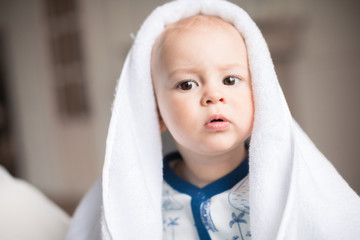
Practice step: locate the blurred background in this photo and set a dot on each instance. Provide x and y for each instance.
(60, 59)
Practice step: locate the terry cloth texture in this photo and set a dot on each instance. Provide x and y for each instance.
(295, 193)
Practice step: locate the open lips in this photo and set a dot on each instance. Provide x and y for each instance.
(217, 120)
(217, 123)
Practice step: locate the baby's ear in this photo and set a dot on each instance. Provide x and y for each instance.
(163, 127)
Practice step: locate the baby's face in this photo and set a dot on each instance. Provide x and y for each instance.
(203, 87)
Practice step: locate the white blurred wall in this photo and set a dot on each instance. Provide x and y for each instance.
(52, 154)
(327, 83)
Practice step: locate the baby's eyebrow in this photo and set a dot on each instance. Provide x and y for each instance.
(231, 66)
(222, 68)
(181, 70)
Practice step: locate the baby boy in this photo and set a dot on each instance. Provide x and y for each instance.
(198, 68)
(203, 90)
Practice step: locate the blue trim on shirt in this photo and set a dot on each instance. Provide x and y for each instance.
(200, 195)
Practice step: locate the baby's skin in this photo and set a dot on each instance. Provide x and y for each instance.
(202, 85)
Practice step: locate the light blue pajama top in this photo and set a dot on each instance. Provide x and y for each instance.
(217, 211)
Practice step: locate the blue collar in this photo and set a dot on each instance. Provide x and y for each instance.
(214, 188)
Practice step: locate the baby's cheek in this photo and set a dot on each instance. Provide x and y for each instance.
(177, 117)
(167, 112)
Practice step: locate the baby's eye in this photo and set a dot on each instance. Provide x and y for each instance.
(231, 80)
(187, 85)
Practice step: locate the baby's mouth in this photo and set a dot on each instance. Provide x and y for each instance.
(217, 122)
(217, 118)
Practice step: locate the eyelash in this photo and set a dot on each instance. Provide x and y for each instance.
(237, 79)
(234, 77)
(186, 81)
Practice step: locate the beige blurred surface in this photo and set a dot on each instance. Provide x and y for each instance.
(37, 218)
(314, 46)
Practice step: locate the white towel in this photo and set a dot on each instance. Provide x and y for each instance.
(295, 193)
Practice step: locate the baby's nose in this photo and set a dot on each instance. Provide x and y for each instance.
(212, 97)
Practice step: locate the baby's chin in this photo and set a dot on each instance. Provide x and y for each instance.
(224, 148)
(217, 147)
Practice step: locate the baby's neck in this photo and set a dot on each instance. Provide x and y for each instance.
(201, 170)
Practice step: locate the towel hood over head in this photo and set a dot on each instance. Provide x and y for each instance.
(295, 193)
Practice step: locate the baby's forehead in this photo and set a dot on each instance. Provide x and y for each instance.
(200, 21)
(196, 23)
(191, 25)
